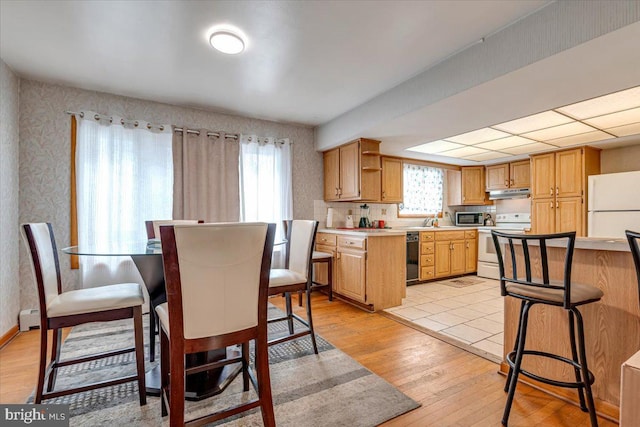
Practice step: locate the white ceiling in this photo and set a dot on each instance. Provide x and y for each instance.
(306, 62)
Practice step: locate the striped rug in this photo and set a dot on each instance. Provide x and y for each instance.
(328, 389)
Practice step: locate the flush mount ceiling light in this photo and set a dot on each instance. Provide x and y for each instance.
(227, 42)
(596, 119)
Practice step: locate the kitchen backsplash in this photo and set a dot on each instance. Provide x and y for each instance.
(389, 212)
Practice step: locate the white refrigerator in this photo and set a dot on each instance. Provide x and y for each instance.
(614, 204)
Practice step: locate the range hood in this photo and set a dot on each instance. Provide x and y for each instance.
(517, 193)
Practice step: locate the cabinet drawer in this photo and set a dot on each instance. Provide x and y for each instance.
(426, 236)
(427, 248)
(326, 239)
(352, 242)
(450, 235)
(470, 234)
(427, 260)
(427, 273)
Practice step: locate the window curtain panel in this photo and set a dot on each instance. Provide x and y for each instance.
(266, 185)
(124, 177)
(206, 177)
(423, 190)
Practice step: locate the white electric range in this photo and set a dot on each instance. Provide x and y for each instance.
(516, 223)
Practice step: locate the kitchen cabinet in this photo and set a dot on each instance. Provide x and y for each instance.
(325, 242)
(352, 172)
(369, 271)
(508, 175)
(471, 251)
(392, 191)
(559, 197)
(448, 253)
(473, 186)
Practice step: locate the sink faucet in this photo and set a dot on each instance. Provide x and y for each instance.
(428, 222)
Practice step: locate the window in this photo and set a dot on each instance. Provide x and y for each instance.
(124, 176)
(423, 190)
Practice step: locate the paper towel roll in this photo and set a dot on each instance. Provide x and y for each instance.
(329, 217)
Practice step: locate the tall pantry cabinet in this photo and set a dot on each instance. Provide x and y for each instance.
(559, 189)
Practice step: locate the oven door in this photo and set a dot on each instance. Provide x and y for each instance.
(486, 248)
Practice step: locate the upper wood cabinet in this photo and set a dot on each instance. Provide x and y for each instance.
(353, 171)
(392, 191)
(558, 189)
(508, 175)
(473, 186)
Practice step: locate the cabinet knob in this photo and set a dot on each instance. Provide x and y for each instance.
(512, 181)
(551, 205)
(557, 206)
(506, 183)
(551, 192)
(557, 191)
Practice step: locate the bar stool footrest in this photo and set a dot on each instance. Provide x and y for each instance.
(511, 361)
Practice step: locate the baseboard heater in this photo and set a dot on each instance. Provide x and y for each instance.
(29, 318)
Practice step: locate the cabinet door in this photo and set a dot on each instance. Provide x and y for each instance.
(543, 182)
(350, 171)
(454, 188)
(543, 216)
(391, 180)
(497, 177)
(443, 258)
(471, 255)
(473, 185)
(458, 257)
(569, 214)
(351, 274)
(332, 174)
(520, 174)
(569, 173)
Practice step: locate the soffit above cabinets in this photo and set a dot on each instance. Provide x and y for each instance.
(605, 117)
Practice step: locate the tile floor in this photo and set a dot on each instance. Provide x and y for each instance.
(472, 315)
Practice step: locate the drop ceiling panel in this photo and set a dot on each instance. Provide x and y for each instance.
(630, 129)
(435, 147)
(618, 101)
(463, 152)
(478, 136)
(489, 155)
(535, 122)
(616, 119)
(499, 144)
(582, 138)
(529, 148)
(561, 131)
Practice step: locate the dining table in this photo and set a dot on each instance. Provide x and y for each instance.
(147, 257)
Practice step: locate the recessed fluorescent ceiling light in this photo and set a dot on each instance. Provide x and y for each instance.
(435, 147)
(561, 131)
(462, 152)
(499, 144)
(626, 130)
(530, 148)
(582, 138)
(478, 136)
(612, 103)
(227, 41)
(489, 155)
(615, 119)
(538, 121)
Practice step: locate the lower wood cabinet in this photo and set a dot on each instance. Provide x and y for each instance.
(369, 271)
(453, 253)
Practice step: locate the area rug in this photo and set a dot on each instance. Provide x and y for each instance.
(328, 389)
(461, 282)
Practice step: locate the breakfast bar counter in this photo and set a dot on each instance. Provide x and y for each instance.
(612, 325)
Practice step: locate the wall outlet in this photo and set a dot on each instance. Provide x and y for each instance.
(384, 212)
(349, 212)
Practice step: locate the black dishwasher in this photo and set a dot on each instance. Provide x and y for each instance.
(413, 254)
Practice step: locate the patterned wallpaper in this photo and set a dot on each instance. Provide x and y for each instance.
(9, 236)
(45, 146)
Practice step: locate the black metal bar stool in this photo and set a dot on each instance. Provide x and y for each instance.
(321, 258)
(563, 294)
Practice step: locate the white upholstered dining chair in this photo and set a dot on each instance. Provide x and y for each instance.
(217, 279)
(64, 309)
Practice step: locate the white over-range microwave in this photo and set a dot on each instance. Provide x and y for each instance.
(470, 219)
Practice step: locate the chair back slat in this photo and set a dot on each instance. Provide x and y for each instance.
(300, 245)
(214, 276)
(633, 237)
(524, 241)
(153, 227)
(45, 265)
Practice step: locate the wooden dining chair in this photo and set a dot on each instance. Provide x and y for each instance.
(295, 277)
(153, 230)
(217, 279)
(64, 309)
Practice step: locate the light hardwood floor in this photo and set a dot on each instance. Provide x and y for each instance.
(455, 388)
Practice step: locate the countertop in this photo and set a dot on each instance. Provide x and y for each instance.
(590, 244)
(367, 232)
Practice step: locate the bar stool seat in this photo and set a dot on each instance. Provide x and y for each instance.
(560, 293)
